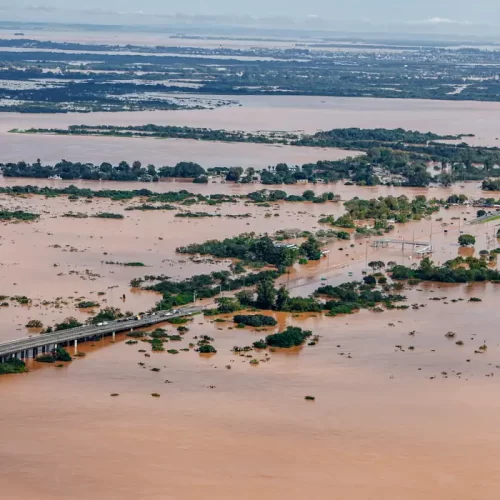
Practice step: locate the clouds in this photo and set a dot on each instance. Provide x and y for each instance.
(441, 20)
(435, 21)
(335, 13)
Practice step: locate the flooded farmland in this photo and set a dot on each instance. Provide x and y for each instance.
(405, 402)
(65, 260)
(385, 417)
(257, 113)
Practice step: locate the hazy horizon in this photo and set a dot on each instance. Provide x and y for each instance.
(434, 16)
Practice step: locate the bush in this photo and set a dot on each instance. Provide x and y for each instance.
(177, 321)
(107, 314)
(108, 215)
(159, 333)
(157, 345)
(67, 324)
(466, 240)
(87, 304)
(260, 344)
(341, 308)
(13, 365)
(291, 337)
(45, 358)
(207, 349)
(34, 323)
(256, 320)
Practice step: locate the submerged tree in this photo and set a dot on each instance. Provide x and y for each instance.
(466, 240)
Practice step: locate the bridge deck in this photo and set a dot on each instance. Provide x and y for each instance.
(22, 347)
(402, 242)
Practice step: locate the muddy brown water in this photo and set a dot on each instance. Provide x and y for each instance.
(64, 260)
(388, 422)
(256, 113)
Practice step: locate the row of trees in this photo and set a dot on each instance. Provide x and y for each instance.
(450, 272)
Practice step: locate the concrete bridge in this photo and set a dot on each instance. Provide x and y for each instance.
(420, 247)
(30, 347)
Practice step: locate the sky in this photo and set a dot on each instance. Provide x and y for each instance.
(440, 13)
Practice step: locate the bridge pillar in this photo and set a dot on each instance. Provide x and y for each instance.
(76, 346)
(114, 336)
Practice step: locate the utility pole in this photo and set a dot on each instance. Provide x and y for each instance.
(194, 298)
(366, 255)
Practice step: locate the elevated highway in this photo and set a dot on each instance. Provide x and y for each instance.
(30, 347)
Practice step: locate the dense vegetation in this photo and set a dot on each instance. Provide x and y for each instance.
(350, 297)
(383, 211)
(256, 320)
(108, 215)
(348, 138)
(176, 293)
(58, 354)
(13, 365)
(252, 248)
(396, 156)
(458, 270)
(105, 171)
(17, 215)
(491, 185)
(291, 337)
(106, 314)
(162, 200)
(67, 324)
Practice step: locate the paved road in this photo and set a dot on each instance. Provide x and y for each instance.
(24, 347)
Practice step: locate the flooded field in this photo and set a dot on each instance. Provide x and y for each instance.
(400, 410)
(52, 149)
(257, 113)
(65, 260)
(471, 189)
(386, 420)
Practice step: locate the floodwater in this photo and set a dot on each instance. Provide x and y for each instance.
(216, 186)
(52, 149)
(60, 261)
(388, 422)
(257, 113)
